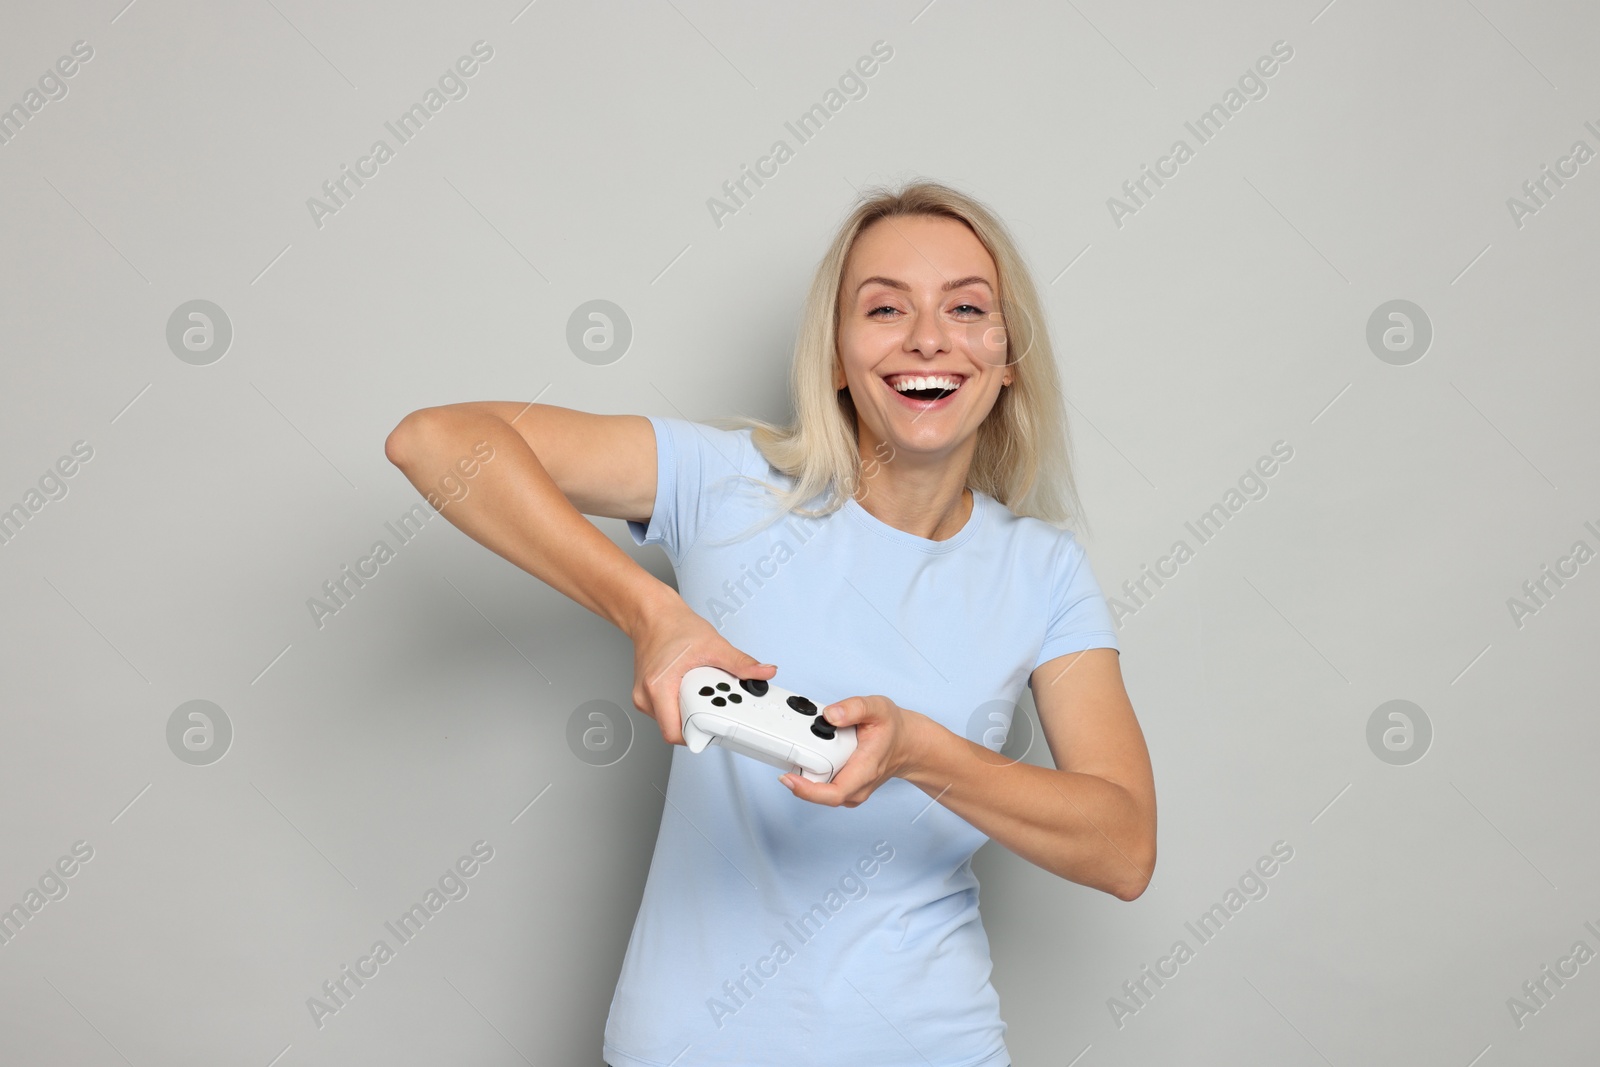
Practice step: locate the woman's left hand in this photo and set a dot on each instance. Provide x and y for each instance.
(886, 742)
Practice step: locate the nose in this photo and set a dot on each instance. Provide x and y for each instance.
(930, 334)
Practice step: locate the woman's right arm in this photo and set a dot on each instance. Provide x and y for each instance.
(524, 503)
(550, 466)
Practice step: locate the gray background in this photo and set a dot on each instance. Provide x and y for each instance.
(1229, 313)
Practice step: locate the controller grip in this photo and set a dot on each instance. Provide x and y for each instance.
(694, 737)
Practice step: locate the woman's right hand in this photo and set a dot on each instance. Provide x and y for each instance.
(674, 641)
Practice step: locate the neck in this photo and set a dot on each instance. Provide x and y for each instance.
(927, 499)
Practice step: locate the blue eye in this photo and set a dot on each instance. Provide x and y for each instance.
(967, 309)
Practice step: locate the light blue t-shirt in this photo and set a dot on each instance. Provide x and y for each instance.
(774, 930)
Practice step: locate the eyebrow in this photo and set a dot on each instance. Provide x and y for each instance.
(946, 287)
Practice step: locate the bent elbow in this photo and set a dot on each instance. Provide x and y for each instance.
(393, 446)
(1144, 860)
(1132, 891)
(399, 446)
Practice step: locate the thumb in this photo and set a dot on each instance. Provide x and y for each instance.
(747, 666)
(846, 712)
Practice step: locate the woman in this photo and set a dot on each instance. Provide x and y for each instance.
(894, 551)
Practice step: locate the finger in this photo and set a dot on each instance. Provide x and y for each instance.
(846, 712)
(668, 716)
(825, 793)
(855, 774)
(749, 667)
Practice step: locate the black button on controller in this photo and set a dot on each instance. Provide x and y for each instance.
(706, 690)
(718, 701)
(802, 705)
(822, 728)
(756, 687)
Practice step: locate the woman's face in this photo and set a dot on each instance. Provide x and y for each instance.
(920, 298)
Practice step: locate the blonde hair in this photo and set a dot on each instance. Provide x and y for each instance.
(1022, 455)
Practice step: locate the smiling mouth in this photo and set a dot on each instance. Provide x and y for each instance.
(930, 393)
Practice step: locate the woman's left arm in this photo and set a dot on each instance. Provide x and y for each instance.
(1091, 819)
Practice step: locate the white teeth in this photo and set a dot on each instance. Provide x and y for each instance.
(916, 382)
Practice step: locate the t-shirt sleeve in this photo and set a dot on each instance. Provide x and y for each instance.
(1079, 617)
(691, 458)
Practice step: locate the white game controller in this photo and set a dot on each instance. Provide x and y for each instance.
(757, 719)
